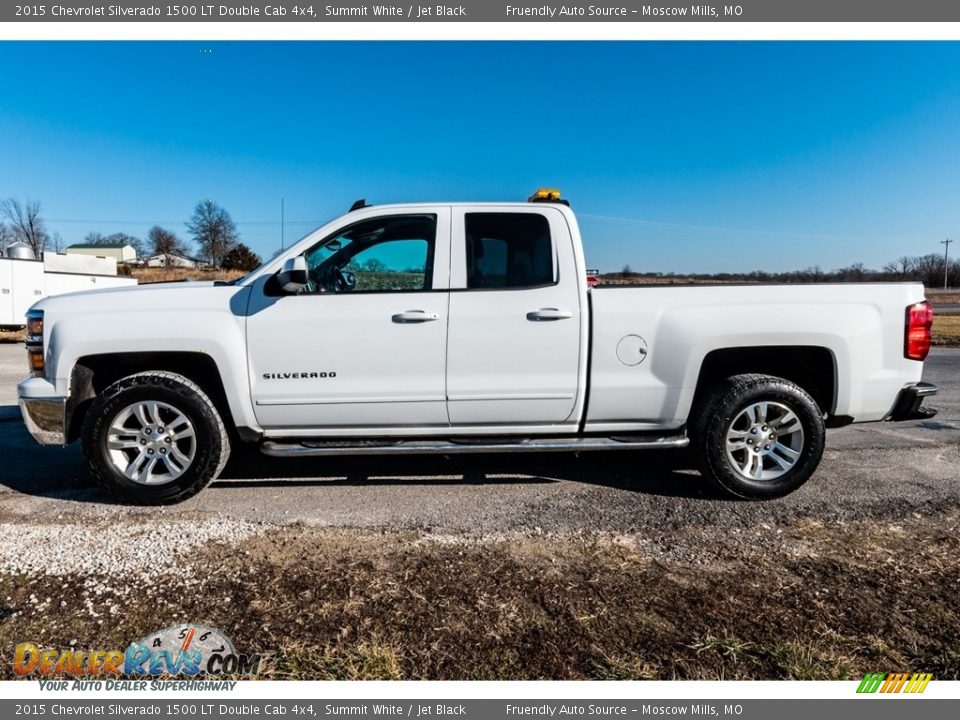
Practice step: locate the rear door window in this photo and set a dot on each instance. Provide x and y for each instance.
(508, 250)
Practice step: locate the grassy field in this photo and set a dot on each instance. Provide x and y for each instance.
(943, 297)
(804, 601)
(155, 275)
(946, 330)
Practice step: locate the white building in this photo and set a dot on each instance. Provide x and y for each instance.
(174, 261)
(121, 253)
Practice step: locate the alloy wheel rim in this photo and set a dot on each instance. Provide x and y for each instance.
(764, 441)
(151, 442)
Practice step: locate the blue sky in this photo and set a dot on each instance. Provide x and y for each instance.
(681, 156)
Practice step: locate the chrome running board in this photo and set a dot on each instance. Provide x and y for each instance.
(314, 448)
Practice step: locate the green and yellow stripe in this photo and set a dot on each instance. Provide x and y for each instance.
(894, 682)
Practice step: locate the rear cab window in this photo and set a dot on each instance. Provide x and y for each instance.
(508, 251)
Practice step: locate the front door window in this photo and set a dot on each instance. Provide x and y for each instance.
(392, 254)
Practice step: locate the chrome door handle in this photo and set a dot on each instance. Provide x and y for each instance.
(415, 316)
(549, 314)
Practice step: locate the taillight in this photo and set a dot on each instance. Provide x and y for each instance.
(916, 340)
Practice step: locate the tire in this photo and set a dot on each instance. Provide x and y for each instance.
(757, 437)
(165, 415)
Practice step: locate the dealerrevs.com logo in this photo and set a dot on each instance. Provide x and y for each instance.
(186, 650)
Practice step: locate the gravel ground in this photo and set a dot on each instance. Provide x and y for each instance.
(149, 549)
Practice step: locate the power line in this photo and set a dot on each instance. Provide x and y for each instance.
(264, 223)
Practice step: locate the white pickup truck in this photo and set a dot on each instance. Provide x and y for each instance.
(464, 328)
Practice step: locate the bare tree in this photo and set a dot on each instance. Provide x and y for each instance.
(214, 231)
(165, 242)
(375, 265)
(6, 236)
(929, 269)
(26, 223)
(901, 268)
(852, 273)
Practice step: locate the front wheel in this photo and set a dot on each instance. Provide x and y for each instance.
(154, 438)
(758, 436)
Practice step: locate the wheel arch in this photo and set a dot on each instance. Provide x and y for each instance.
(813, 368)
(92, 374)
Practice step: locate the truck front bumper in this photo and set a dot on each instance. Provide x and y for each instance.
(44, 413)
(909, 401)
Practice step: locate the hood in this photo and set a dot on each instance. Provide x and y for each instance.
(167, 296)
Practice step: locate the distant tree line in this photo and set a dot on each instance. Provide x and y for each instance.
(211, 227)
(927, 269)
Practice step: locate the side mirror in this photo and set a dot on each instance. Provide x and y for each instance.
(293, 277)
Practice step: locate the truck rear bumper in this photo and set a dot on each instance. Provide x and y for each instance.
(909, 401)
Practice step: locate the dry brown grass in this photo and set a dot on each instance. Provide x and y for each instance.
(946, 330)
(11, 337)
(611, 280)
(943, 297)
(364, 660)
(155, 275)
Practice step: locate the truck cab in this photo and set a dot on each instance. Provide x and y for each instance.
(422, 318)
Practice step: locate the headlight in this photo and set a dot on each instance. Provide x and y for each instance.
(34, 343)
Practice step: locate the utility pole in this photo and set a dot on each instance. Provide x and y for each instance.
(281, 225)
(946, 267)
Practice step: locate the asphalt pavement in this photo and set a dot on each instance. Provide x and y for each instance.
(876, 470)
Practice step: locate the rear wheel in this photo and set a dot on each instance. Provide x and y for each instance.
(154, 438)
(758, 436)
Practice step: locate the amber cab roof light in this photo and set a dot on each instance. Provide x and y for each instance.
(551, 195)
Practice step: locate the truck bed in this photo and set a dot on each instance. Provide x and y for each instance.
(861, 325)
